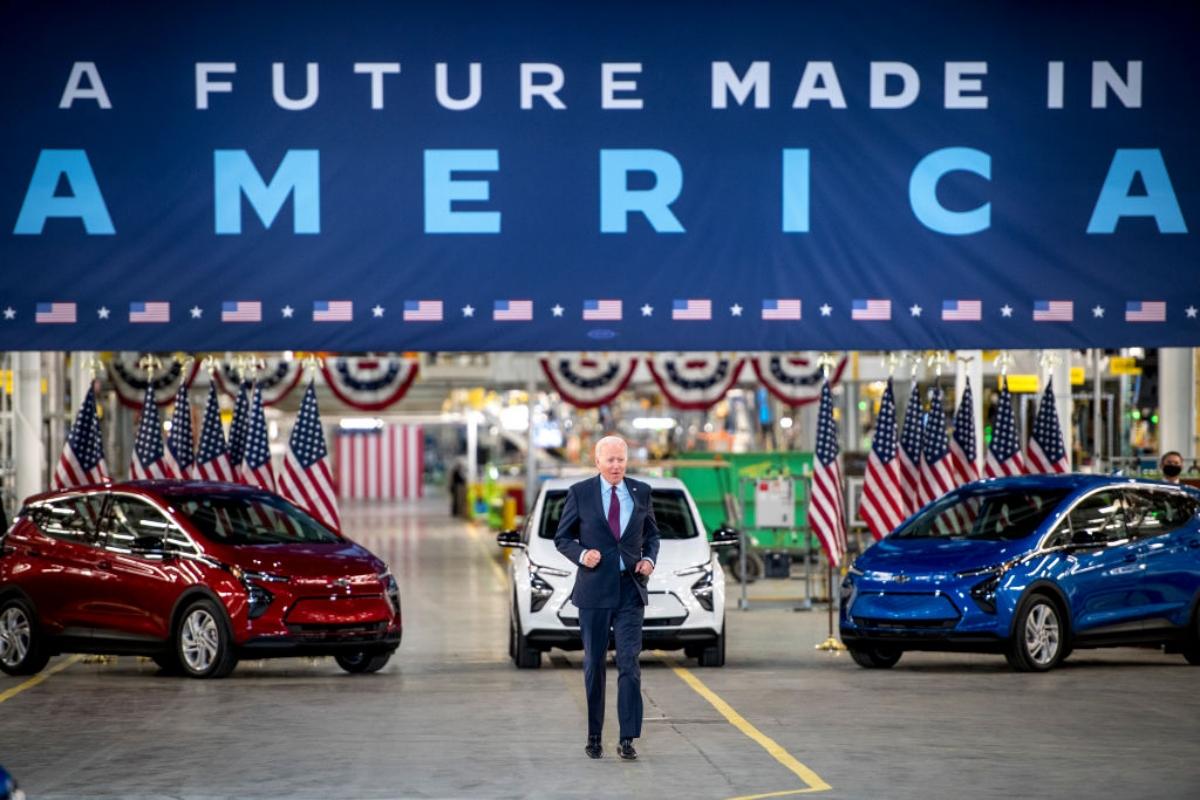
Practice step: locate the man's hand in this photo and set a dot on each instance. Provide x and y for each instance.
(591, 558)
(644, 568)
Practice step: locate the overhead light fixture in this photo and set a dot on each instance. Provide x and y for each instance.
(361, 424)
(653, 423)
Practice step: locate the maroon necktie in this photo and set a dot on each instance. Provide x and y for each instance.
(614, 515)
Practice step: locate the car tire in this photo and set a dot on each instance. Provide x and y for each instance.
(755, 567)
(203, 643)
(1039, 637)
(363, 662)
(23, 650)
(875, 656)
(714, 654)
(527, 657)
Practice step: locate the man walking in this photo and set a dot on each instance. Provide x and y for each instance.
(608, 528)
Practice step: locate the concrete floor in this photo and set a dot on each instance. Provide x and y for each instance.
(451, 717)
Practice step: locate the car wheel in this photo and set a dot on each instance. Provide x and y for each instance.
(755, 567)
(362, 662)
(714, 654)
(527, 657)
(1038, 637)
(875, 656)
(203, 642)
(22, 650)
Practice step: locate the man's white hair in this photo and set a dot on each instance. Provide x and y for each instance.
(607, 440)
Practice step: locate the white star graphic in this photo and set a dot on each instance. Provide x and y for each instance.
(1190, 311)
(826, 310)
(915, 310)
(647, 310)
(197, 312)
(1006, 310)
(10, 313)
(1097, 311)
(468, 311)
(102, 312)
(736, 310)
(377, 311)
(557, 310)
(288, 311)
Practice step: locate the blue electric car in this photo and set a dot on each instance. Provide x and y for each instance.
(1032, 567)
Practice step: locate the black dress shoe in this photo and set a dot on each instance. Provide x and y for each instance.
(625, 750)
(593, 748)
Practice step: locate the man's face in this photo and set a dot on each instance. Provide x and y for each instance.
(611, 462)
(1172, 461)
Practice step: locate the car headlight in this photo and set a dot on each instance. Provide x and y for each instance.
(391, 589)
(695, 569)
(540, 590)
(257, 595)
(702, 589)
(984, 592)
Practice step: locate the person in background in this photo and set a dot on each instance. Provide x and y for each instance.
(1171, 465)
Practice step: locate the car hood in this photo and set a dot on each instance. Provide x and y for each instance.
(309, 560)
(935, 555)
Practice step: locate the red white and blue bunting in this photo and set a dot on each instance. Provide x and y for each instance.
(276, 381)
(694, 381)
(372, 382)
(130, 380)
(587, 381)
(794, 378)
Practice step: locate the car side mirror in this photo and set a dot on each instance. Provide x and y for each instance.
(726, 536)
(509, 539)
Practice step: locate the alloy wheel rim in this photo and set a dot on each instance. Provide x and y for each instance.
(1042, 634)
(200, 640)
(14, 637)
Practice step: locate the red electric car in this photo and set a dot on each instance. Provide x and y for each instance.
(194, 575)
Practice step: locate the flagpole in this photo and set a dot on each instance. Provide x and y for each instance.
(831, 643)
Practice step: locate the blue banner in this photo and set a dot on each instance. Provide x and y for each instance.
(586, 176)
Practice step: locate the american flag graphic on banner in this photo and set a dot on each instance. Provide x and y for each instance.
(422, 310)
(883, 504)
(691, 309)
(256, 463)
(1053, 310)
(962, 310)
(212, 460)
(1146, 311)
(148, 462)
(598, 310)
(871, 310)
(48, 313)
(512, 310)
(825, 506)
(306, 478)
(82, 460)
(382, 464)
(781, 309)
(241, 311)
(937, 468)
(962, 443)
(1046, 451)
(909, 455)
(181, 455)
(1004, 454)
(150, 311)
(238, 429)
(333, 311)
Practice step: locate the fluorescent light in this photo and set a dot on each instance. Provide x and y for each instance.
(361, 424)
(654, 423)
(785, 422)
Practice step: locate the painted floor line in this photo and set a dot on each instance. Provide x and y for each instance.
(812, 780)
(36, 679)
(501, 575)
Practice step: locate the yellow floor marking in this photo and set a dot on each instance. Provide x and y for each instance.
(36, 679)
(812, 781)
(787, 793)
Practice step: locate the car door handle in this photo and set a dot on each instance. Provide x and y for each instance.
(1130, 558)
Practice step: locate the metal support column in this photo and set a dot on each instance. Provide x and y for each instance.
(1176, 401)
(28, 449)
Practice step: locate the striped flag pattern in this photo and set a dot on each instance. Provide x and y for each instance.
(241, 311)
(1053, 310)
(422, 310)
(909, 455)
(212, 461)
(82, 460)
(148, 461)
(1046, 451)
(1004, 454)
(237, 432)
(871, 310)
(306, 478)
(781, 309)
(962, 443)
(1145, 311)
(691, 310)
(962, 310)
(598, 310)
(181, 454)
(54, 313)
(256, 463)
(150, 311)
(333, 311)
(884, 505)
(384, 464)
(937, 467)
(512, 310)
(826, 516)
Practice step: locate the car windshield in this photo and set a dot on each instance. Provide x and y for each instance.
(671, 512)
(251, 519)
(996, 514)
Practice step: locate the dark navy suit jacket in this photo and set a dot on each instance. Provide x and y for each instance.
(584, 526)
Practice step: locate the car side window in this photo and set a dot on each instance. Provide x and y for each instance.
(129, 518)
(1098, 520)
(1149, 513)
(71, 519)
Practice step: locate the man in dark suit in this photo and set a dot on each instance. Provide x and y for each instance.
(608, 528)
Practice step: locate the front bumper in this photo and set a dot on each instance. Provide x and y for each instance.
(313, 643)
(652, 638)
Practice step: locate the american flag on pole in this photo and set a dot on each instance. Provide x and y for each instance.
(181, 455)
(385, 463)
(422, 310)
(212, 462)
(781, 309)
(306, 478)
(333, 311)
(1046, 452)
(241, 311)
(937, 468)
(1004, 454)
(871, 310)
(962, 443)
(909, 454)
(825, 508)
(149, 311)
(54, 313)
(962, 310)
(512, 310)
(237, 432)
(1053, 310)
(597, 310)
(256, 465)
(148, 461)
(1146, 311)
(883, 504)
(82, 460)
(691, 309)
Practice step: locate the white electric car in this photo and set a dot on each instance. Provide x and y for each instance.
(687, 590)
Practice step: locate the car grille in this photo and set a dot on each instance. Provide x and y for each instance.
(872, 622)
(330, 632)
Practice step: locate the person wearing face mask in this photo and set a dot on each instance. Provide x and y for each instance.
(1171, 465)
